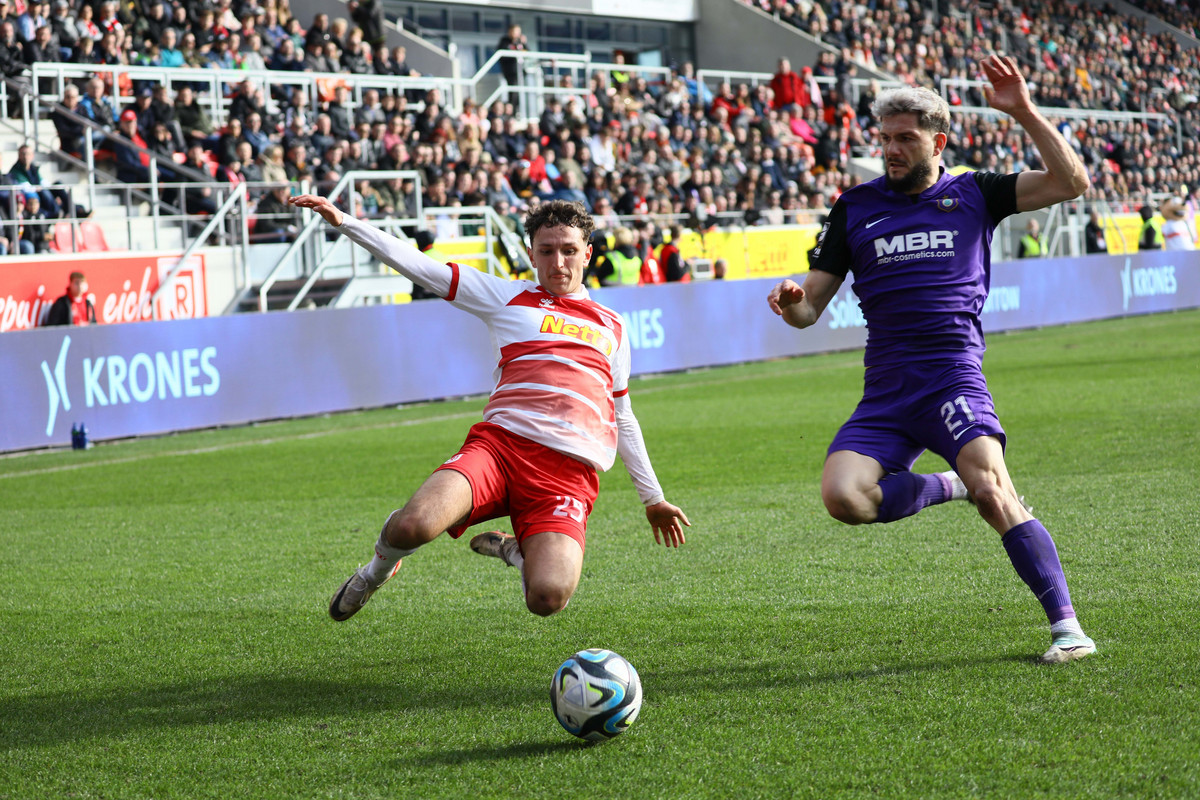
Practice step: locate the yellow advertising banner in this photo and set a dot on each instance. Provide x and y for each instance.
(754, 252)
(1122, 232)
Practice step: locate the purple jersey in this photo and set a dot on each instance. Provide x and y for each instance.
(921, 263)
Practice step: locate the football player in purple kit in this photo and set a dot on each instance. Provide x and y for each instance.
(918, 241)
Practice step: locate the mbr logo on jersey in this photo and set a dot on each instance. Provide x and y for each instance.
(918, 244)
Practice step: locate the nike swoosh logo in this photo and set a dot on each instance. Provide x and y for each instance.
(964, 430)
(876, 222)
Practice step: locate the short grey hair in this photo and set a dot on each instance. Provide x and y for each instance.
(933, 114)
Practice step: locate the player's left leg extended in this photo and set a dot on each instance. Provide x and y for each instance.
(980, 462)
(444, 498)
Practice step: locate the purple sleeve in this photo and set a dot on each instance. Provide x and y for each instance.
(999, 192)
(832, 253)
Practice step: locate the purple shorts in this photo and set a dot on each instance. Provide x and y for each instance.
(908, 410)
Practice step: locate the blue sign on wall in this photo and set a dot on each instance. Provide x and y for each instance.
(156, 377)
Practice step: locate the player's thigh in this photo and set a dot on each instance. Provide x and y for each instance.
(848, 474)
(553, 563)
(441, 501)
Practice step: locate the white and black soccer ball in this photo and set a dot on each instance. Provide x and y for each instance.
(596, 694)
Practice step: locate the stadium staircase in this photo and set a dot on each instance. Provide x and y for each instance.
(282, 294)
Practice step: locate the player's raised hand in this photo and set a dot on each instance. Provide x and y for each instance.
(785, 294)
(665, 520)
(1008, 91)
(321, 205)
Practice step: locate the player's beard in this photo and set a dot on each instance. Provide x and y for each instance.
(916, 177)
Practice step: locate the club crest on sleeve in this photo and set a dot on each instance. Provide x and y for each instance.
(947, 203)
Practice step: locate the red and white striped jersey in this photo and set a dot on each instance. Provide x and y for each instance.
(560, 360)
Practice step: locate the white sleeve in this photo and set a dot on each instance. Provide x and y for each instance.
(399, 255)
(632, 449)
(465, 287)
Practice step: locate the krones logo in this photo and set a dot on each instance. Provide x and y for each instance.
(114, 380)
(1146, 282)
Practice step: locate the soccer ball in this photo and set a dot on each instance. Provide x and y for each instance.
(596, 694)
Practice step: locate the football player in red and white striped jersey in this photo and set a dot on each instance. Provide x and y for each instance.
(559, 412)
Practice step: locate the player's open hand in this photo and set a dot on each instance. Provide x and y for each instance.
(786, 294)
(1008, 92)
(667, 521)
(322, 205)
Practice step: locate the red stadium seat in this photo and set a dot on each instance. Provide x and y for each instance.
(93, 237)
(61, 240)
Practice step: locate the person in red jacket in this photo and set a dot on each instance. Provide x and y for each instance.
(787, 86)
(670, 260)
(74, 307)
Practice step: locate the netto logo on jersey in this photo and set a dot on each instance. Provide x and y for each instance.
(584, 333)
(904, 246)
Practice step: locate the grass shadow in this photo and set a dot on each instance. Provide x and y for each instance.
(506, 752)
(52, 718)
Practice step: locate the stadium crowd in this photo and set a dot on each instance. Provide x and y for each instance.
(743, 153)
(1072, 61)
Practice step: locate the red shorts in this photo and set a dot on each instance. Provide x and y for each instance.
(538, 488)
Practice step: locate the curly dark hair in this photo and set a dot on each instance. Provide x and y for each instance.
(554, 213)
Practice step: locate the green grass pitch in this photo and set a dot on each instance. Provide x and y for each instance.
(163, 626)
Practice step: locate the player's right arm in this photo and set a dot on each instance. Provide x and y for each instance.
(469, 289)
(801, 306)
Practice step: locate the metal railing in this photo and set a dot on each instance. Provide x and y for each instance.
(237, 200)
(210, 84)
(310, 234)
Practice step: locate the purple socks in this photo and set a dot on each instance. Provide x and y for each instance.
(906, 493)
(1035, 559)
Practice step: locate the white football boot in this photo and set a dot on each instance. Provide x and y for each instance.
(355, 593)
(1068, 647)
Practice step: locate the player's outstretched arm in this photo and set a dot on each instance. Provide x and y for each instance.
(322, 205)
(397, 254)
(1065, 176)
(667, 521)
(801, 306)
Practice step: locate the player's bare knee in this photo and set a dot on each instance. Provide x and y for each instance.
(546, 602)
(405, 529)
(847, 505)
(990, 500)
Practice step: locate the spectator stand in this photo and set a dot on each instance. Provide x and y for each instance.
(333, 260)
(235, 207)
(210, 84)
(551, 75)
(314, 257)
(164, 214)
